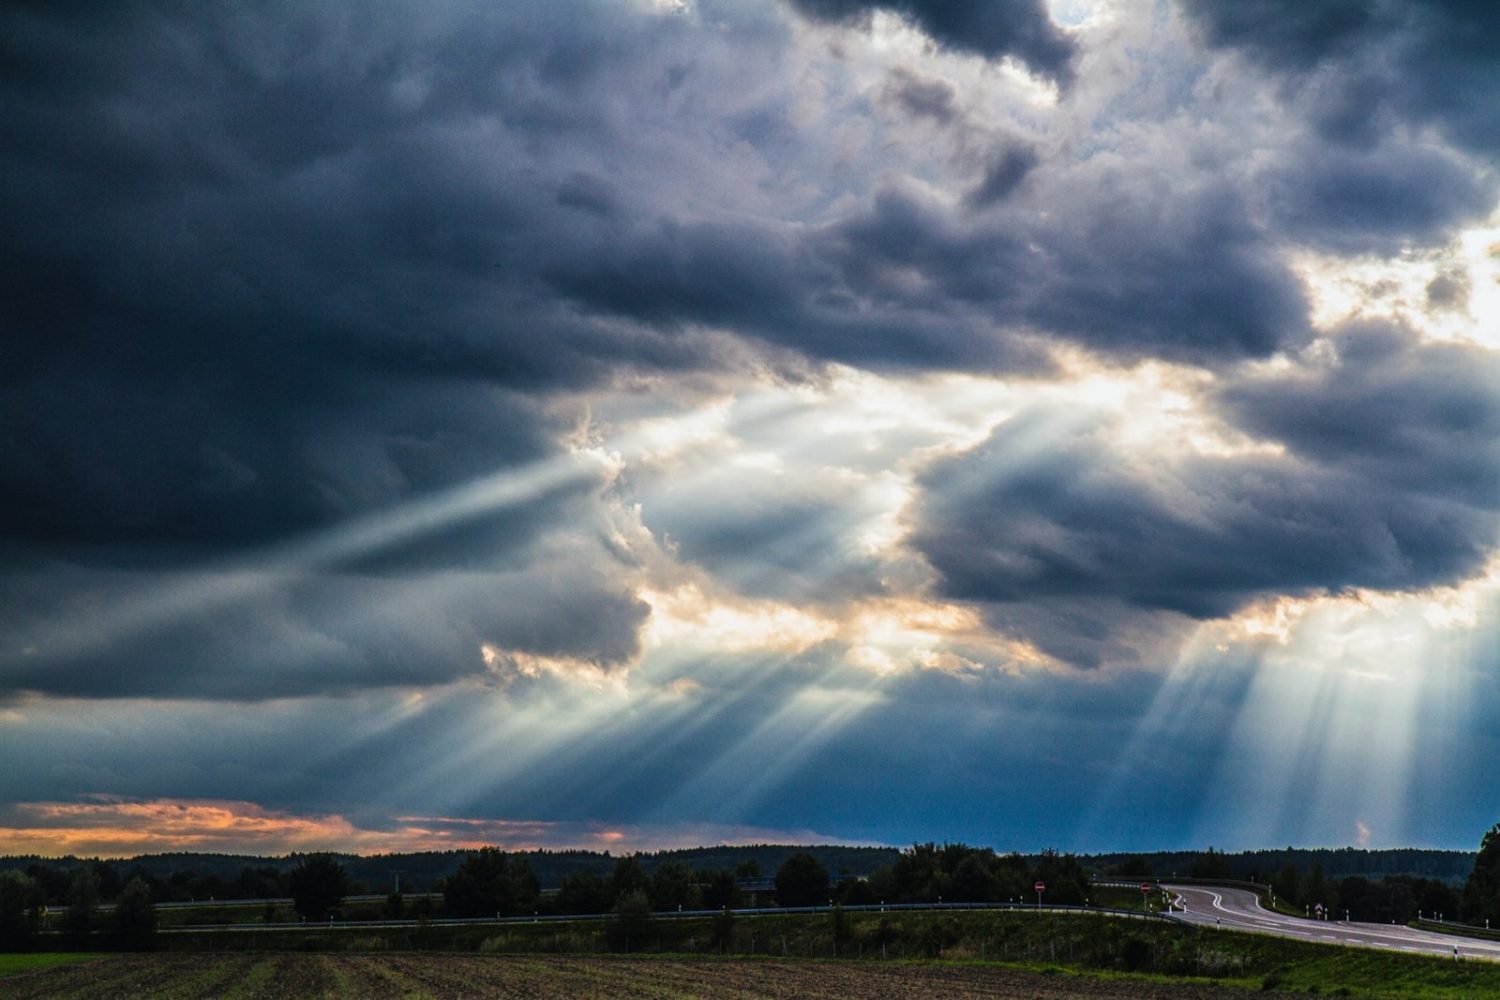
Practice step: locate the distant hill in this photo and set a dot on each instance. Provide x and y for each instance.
(1452, 867)
(420, 871)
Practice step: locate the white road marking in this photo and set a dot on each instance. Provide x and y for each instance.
(1245, 912)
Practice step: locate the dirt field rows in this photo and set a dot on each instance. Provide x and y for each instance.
(443, 977)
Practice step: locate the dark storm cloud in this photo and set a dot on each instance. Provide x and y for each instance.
(1381, 200)
(1120, 267)
(1389, 481)
(772, 285)
(267, 268)
(1126, 267)
(271, 270)
(1359, 66)
(1421, 417)
(243, 294)
(1021, 29)
(1284, 33)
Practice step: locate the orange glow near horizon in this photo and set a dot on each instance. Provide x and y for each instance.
(122, 828)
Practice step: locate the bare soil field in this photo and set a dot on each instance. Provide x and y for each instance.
(447, 977)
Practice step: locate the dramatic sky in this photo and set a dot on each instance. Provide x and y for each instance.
(645, 423)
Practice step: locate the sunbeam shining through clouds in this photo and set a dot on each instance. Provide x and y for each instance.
(623, 425)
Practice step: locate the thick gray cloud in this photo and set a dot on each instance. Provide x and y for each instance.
(1285, 33)
(1122, 268)
(1361, 66)
(1415, 416)
(1021, 28)
(243, 294)
(1382, 200)
(316, 634)
(1388, 481)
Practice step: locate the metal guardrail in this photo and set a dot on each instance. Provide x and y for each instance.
(1158, 880)
(57, 910)
(1456, 929)
(748, 912)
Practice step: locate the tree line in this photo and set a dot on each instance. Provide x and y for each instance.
(490, 882)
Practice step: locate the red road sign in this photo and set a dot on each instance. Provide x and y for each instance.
(1040, 887)
(1145, 886)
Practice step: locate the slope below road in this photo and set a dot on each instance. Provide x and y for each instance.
(1240, 910)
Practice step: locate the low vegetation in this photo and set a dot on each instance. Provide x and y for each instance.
(1243, 963)
(426, 977)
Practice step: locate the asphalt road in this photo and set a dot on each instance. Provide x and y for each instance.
(1240, 910)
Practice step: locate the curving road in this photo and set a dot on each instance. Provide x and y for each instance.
(1240, 910)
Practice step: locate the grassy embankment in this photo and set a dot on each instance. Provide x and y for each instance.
(1095, 945)
(14, 963)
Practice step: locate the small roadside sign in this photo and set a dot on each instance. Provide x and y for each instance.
(1040, 887)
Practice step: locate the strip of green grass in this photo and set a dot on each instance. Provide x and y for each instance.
(12, 964)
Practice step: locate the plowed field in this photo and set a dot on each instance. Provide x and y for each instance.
(441, 977)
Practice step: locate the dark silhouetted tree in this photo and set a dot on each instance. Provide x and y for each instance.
(583, 892)
(801, 881)
(919, 875)
(1288, 885)
(1133, 867)
(673, 886)
(135, 917)
(841, 930)
(630, 924)
(318, 885)
(1435, 897)
(1066, 882)
(1210, 864)
(720, 891)
(20, 910)
(974, 880)
(629, 876)
(1316, 892)
(83, 902)
(722, 930)
(489, 883)
(1481, 897)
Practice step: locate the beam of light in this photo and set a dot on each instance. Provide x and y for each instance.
(653, 740)
(191, 593)
(1311, 719)
(945, 414)
(1157, 744)
(749, 769)
(194, 592)
(1325, 746)
(568, 747)
(490, 742)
